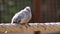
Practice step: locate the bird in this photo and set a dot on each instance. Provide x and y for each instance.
(23, 16)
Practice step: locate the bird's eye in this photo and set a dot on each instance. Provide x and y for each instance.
(28, 9)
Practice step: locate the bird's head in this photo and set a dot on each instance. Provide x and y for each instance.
(27, 8)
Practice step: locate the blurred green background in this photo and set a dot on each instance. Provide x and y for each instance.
(9, 7)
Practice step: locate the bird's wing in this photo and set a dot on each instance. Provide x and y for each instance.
(19, 18)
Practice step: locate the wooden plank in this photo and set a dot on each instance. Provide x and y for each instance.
(33, 27)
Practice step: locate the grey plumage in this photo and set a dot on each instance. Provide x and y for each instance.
(22, 16)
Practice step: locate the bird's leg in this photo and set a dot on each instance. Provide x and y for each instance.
(24, 24)
(27, 25)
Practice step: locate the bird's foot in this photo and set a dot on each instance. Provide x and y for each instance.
(27, 25)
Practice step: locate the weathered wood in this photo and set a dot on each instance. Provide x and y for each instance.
(36, 11)
(32, 27)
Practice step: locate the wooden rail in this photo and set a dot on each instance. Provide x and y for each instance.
(33, 27)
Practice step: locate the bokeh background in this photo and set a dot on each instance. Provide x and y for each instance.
(49, 9)
(9, 7)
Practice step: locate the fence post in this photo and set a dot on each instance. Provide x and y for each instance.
(36, 13)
